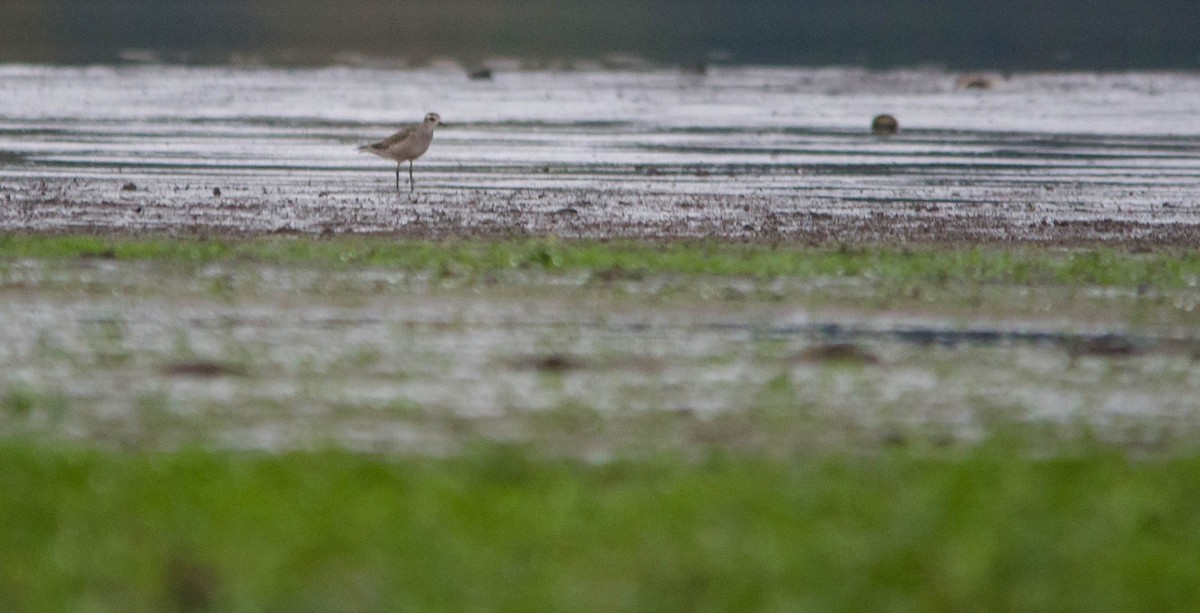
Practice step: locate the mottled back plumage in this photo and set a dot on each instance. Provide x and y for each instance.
(384, 144)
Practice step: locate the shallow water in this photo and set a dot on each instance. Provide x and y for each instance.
(745, 153)
(246, 355)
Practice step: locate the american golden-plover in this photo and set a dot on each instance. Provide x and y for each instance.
(406, 145)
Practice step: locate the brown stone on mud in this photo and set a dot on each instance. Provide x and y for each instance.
(553, 362)
(1108, 345)
(617, 273)
(884, 125)
(842, 353)
(202, 368)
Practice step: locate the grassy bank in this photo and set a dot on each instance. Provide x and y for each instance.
(499, 529)
(1019, 265)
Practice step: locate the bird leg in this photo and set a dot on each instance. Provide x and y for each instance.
(397, 178)
(411, 186)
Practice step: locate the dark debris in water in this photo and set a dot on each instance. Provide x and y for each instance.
(107, 253)
(1108, 345)
(203, 369)
(617, 272)
(839, 353)
(842, 339)
(557, 362)
(551, 362)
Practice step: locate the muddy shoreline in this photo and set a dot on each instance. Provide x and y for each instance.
(745, 220)
(739, 154)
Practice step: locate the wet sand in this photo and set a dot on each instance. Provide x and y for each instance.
(744, 154)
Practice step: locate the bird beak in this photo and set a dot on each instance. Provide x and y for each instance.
(442, 124)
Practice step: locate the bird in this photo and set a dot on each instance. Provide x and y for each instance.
(408, 144)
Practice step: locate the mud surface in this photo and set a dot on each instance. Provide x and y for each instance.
(243, 355)
(769, 155)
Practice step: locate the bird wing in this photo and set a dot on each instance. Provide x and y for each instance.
(391, 140)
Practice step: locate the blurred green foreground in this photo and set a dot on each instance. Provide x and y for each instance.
(502, 530)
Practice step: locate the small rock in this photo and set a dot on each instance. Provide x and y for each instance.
(884, 125)
(974, 81)
(843, 353)
(201, 368)
(617, 273)
(554, 362)
(216, 191)
(480, 74)
(129, 187)
(1107, 345)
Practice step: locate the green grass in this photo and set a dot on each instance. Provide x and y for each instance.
(499, 529)
(1016, 523)
(965, 264)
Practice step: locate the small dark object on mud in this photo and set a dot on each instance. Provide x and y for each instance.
(1108, 345)
(480, 74)
(975, 81)
(129, 187)
(108, 253)
(553, 362)
(216, 191)
(567, 211)
(842, 353)
(202, 368)
(618, 273)
(884, 125)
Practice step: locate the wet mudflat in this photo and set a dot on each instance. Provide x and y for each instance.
(243, 355)
(748, 154)
(599, 363)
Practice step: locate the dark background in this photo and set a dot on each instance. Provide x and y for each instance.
(1019, 35)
